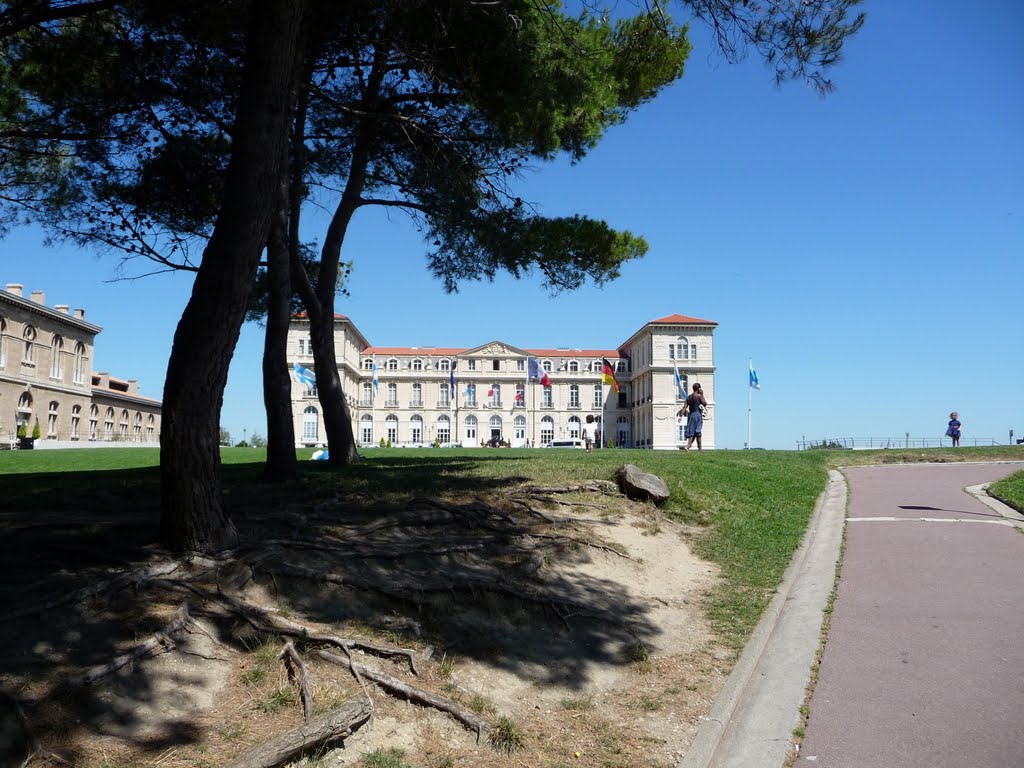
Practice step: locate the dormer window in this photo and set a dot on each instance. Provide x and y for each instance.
(574, 366)
(392, 364)
(417, 364)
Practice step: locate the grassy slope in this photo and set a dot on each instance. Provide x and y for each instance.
(752, 507)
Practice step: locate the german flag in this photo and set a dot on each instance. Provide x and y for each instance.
(608, 374)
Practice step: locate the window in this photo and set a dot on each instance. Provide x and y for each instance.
(445, 395)
(417, 395)
(495, 365)
(417, 364)
(124, 425)
(51, 420)
(57, 362)
(471, 364)
(546, 365)
(520, 428)
(680, 427)
(108, 424)
(471, 427)
(547, 401)
(623, 395)
(302, 346)
(391, 428)
(574, 367)
(392, 364)
(446, 364)
(471, 395)
(495, 425)
(622, 438)
(495, 394)
(366, 430)
(598, 395)
(684, 386)
(94, 422)
(76, 417)
(575, 427)
(444, 429)
(137, 428)
(682, 350)
(520, 395)
(310, 423)
(78, 374)
(367, 399)
(392, 394)
(574, 395)
(3, 342)
(620, 366)
(29, 336)
(150, 422)
(416, 428)
(367, 363)
(520, 365)
(547, 430)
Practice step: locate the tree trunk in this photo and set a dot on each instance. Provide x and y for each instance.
(281, 464)
(192, 512)
(341, 440)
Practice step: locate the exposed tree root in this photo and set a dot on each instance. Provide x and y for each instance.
(297, 673)
(395, 686)
(320, 731)
(158, 640)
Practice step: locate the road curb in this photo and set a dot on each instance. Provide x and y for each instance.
(740, 730)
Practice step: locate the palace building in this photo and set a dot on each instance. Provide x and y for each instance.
(46, 376)
(423, 396)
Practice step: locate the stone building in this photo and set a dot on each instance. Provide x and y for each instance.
(421, 396)
(46, 359)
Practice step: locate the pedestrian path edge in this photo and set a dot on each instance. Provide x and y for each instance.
(752, 719)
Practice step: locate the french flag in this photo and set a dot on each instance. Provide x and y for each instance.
(534, 371)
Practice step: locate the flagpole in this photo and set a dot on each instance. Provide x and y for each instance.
(750, 399)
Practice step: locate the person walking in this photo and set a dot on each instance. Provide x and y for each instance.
(953, 430)
(587, 440)
(694, 418)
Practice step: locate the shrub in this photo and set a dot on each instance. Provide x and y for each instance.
(36, 431)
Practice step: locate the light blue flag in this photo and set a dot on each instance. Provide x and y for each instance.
(303, 375)
(754, 383)
(679, 384)
(376, 381)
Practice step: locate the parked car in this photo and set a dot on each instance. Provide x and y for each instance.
(571, 443)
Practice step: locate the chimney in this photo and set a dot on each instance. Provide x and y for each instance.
(62, 308)
(133, 386)
(104, 380)
(80, 313)
(15, 288)
(38, 297)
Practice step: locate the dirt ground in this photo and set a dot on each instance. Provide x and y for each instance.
(568, 620)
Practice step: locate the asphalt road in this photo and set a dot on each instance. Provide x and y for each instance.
(924, 664)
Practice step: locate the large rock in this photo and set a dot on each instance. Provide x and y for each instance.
(642, 486)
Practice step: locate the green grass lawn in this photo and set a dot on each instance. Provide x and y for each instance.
(750, 508)
(1010, 490)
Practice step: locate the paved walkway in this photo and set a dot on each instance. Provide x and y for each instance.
(924, 664)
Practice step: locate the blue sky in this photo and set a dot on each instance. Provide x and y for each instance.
(865, 249)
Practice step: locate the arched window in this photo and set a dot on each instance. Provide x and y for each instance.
(76, 418)
(366, 429)
(51, 420)
(137, 428)
(124, 424)
(574, 366)
(108, 424)
(391, 428)
(94, 422)
(29, 337)
(392, 364)
(416, 428)
(546, 365)
(446, 364)
(470, 427)
(519, 425)
(310, 423)
(444, 429)
(547, 430)
(682, 349)
(57, 357)
(575, 427)
(78, 374)
(367, 363)
(417, 364)
(574, 395)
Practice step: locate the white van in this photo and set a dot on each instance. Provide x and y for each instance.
(573, 443)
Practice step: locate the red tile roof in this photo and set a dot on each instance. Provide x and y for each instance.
(681, 320)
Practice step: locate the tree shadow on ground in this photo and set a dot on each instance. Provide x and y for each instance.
(424, 552)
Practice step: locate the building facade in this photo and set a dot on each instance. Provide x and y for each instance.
(46, 376)
(421, 396)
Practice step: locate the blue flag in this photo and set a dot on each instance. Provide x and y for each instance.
(679, 384)
(376, 381)
(754, 383)
(451, 377)
(303, 375)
